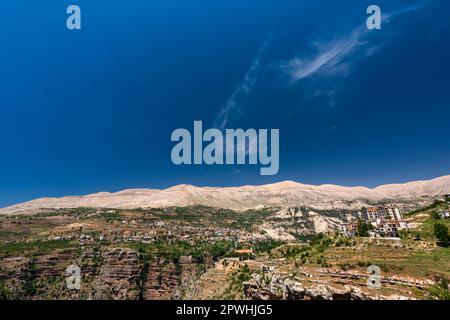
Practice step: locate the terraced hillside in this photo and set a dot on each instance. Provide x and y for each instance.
(210, 253)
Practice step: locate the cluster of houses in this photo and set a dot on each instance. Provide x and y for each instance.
(134, 230)
(386, 222)
(443, 211)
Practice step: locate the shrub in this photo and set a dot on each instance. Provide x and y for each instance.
(440, 290)
(441, 233)
(5, 294)
(363, 228)
(435, 215)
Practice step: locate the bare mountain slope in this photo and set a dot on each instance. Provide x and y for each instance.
(281, 194)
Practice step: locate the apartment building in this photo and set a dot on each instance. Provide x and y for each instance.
(387, 221)
(371, 213)
(386, 212)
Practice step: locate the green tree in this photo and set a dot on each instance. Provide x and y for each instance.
(5, 294)
(30, 277)
(363, 228)
(440, 290)
(441, 233)
(436, 215)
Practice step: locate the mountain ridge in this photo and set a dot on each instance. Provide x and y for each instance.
(280, 194)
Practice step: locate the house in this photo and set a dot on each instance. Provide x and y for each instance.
(371, 213)
(444, 215)
(349, 229)
(374, 234)
(244, 251)
(389, 229)
(390, 212)
(404, 225)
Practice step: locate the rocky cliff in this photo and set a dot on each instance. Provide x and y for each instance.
(340, 286)
(114, 273)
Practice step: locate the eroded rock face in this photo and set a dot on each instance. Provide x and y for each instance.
(303, 220)
(120, 272)
(162, 277)
(116, 273)
(167, 280)
(276, 287)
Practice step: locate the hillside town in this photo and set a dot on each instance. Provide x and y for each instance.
(382, 222)
(205, 252)
(385, 221)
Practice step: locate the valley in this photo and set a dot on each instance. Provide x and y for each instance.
(281, 241)
(201, 252)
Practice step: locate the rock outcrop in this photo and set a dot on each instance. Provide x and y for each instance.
(276, 287)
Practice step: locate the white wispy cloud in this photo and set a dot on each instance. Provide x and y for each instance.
(412, 8)
(328, 60)
(242, 90)
(332, 57)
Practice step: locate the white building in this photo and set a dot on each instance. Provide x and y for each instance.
(387, 213)
(392, 213)
(444, 215)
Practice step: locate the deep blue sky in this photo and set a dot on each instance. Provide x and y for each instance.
(93, 110)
